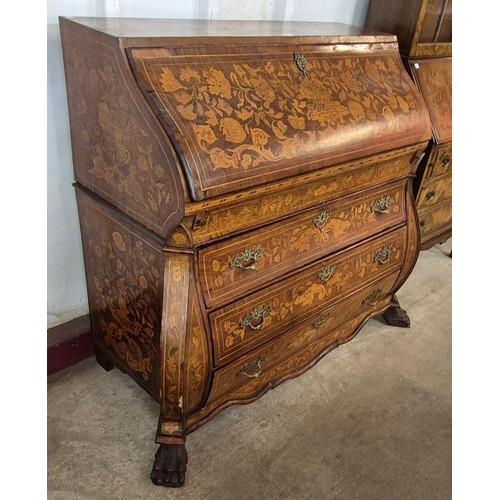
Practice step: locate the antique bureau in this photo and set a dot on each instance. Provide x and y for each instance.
(423, 28)
(244, 194)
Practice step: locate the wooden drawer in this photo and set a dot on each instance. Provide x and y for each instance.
(440, 161)
(234, 267)
(435, 219)
(220, 217)
(244, 325)
(434, 191)
(249, 375)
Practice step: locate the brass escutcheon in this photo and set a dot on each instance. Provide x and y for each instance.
(373, 297)
(326, 273)
(319, 321)
(247, 259)
(320, 220)
(256, 363)
(258, 314)
(383, 255)
(301, 63)
(382, 205)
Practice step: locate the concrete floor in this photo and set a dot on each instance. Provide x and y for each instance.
(372, 420)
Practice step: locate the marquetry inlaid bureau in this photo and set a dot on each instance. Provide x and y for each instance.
(245, 203)
(424, 31)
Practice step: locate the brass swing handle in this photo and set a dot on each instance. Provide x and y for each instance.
(373, 297)
(256, 364)
(446, 160)
(319, 321)
(321, 219)
(383, 255)
(255, 319)
(326, 273)
(430, 195)
(382, 205)
(247, 259)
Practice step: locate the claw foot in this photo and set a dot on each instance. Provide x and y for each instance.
(169, 468)
(396, 316)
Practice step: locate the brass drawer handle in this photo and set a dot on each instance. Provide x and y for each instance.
(320, 220)
(319, 321)
(446, 160)
(373, 297)
(430, 195)
(247, 259)
(382, 205)
(255, 319)
(301, 63)
(383, 255)
(326, 273)
(255, 364)
(421, 224)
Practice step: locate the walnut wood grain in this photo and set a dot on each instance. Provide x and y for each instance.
(244, 119)
(119, 151)
(423, 27)
(303, 295)
(227, 175)
(296, 242)
(434, 80)
(239, 212)
(435, 219)
(434, 191)
(299, 346)
(124, 271)
(440, 160)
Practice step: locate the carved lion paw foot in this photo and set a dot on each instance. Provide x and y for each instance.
(396, 316)
(169, 468)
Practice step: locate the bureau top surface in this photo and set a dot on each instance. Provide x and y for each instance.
(189, 28)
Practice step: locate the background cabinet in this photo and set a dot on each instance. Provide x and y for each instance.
(424, 31)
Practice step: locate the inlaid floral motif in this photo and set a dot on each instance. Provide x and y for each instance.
(121, 156)
(125, 287)
(285, 244)
(308, 294)
(235, 108)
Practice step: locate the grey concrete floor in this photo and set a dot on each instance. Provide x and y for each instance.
(372, 420)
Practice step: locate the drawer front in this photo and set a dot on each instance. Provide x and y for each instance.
(248, 376)
(439, 162)
(213, 220)
(434, 191)
(435, 219)
(234, 267)
(245, 324)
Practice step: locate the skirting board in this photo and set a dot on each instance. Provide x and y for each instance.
(68, 344)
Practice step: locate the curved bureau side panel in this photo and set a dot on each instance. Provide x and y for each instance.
(413, 240)
(123, 266)
(119, 151)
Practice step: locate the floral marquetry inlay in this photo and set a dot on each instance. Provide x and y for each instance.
(234, 113)
(125, 276)
(253, 115)
(301, 296)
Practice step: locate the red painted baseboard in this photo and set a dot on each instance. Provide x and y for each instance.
(68, 344)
